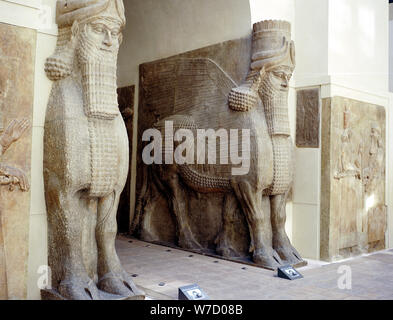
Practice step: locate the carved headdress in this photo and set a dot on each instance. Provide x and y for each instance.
(271, 46)
(68, 11)
(59, 65)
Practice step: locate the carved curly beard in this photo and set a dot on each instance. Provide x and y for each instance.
(275, 102)
(98, 79)
(98, 69)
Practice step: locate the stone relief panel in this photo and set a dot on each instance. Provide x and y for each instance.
(203, 206)
(126, 106)
(353, 211)
(307, 118)
(17, 60)
(153, 219)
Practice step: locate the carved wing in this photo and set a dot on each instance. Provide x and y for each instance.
(194, 87)
(202, 91)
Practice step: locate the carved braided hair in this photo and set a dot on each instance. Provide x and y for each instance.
(245, 97)
(69, 15)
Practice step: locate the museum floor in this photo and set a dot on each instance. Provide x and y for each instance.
(160, 271)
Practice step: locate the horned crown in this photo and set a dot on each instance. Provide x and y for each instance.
(59, 66)
(68, 11)
(271, 46)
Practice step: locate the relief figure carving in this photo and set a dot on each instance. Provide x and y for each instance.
(260, 105)
(18, 46)
(349, 164)
(355, 198)
(9, 175)
(374, 170)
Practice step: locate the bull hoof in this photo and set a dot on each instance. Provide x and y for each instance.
(289, 254)
(224, 248)
(189, 243)
(78, 289)
(227, 252)
(270, 260)
(120, 284)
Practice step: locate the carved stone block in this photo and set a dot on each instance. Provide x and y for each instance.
(17, 60)
(156, 101)
(307, 118)
(83, 183)
(126, 106)
(353, 211)
(205, 206)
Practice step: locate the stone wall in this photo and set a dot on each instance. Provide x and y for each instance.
(17, 60)
(353, 210)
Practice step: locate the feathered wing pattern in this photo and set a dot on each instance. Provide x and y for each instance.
(199, 94)
(193, 93)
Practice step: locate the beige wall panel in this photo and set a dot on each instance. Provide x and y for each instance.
(17, 56)
(353, 211)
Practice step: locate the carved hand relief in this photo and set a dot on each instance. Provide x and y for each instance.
(83, 184)
(9, 175)
(354, 156)
(209, 201)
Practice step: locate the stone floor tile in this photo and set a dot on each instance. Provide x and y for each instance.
(228, 280)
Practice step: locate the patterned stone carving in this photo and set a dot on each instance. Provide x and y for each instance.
(198, 90)
(9, 175)
(86, 154)
(12, 178)
(307, 118)
(353, 211)
(350, 154)
(374, 169)
(17, 61)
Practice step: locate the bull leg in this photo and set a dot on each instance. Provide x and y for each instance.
(178, 203)
(224, 247)
(112, 277)
(67, 211)
(259, 225)
(281, 241)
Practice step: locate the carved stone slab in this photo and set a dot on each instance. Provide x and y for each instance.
(307, 118)
(17, 60)
(126, 106)
(353, 211)
(157, 91)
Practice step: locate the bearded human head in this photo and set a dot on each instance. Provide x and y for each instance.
(101, 21)
(273, 54)
(88, 41)
(273, 61)
(272, 64)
